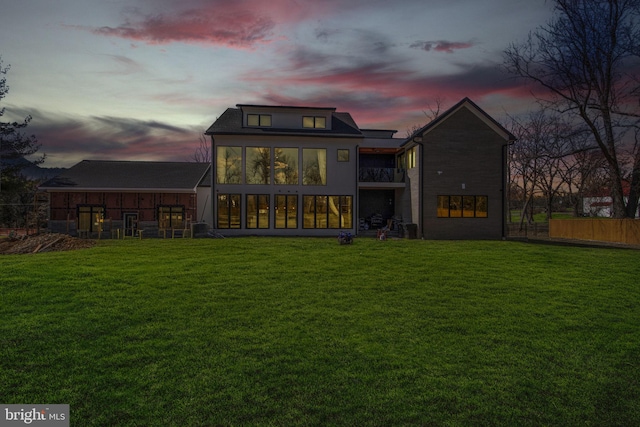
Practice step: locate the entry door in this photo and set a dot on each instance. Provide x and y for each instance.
(130, 221)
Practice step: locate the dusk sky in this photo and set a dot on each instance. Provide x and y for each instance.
(143, 79)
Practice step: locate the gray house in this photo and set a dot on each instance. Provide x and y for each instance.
(304, 171)
(284, 170)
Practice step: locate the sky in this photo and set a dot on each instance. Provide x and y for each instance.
(143, 79)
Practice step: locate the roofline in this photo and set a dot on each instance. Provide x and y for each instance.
(325, 134)
(379, 130)
(285, 107)
(435, 122)
(134, 161)
(118, 190)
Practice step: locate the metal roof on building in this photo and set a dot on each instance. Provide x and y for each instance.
(109, 175)
(230, 123)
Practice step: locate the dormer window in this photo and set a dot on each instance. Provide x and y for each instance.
(314, 122)
(259, 120)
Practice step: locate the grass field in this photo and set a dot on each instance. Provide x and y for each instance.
(268, 331)
(541, 216)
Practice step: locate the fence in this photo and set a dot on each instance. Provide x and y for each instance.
(605, 230)
(535, 229)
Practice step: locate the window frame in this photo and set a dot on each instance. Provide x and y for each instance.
(326, 220)
(260, 218)
(316, 122)
(411, 159)
(288, 207)
(342, 158)
(456, 204)
(261, 120)
(278, 170)
(235, 168)
(309, 179)
(250, 178)
(171, 213)
(94, 221)
(230, 224)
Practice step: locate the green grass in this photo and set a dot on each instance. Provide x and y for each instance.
(268, 331)
(542, 216)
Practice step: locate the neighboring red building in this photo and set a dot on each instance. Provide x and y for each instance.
(600, 203)
(123, 197)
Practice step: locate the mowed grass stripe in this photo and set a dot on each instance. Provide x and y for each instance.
(303, 331)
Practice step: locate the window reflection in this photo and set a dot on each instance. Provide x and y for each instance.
(328, 212)
(257, 211)
(286, 166)
(286, 215)
(229, 165)
(314, 166)
(228, 211)
(258, 165)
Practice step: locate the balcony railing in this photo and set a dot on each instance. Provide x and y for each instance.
(381, 175)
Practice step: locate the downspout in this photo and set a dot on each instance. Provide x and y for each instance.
(356, 214)
(214, 203)
(418, 140)
(504, 192)
(505, 183)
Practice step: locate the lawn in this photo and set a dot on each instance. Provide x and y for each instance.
(541, 216)
(303, 331)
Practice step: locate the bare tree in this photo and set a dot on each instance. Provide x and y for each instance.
(525, 157)
(203, 152)
(259, 166)
(583, 62)
(585, 170)
(435, 109)
(553, 164)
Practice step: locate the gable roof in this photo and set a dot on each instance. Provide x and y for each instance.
(605, 191)
(230, 123)
(108, 175)
(471, 106)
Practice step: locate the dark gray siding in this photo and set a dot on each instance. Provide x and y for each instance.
(466, 151)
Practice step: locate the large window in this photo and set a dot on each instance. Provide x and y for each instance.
(257, 211)
(317, 122)
(258, 165)
(286, 215)
(90, 217)
(314, 166)
(463, 206)
(228, 210)
(328, 211)
(229, 165)
(286, 166)
(411, 158)
(339, 211)
(170, 216)
(259, 120)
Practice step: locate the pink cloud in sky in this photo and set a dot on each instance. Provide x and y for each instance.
(67, 140)
(231, 23)
(367, 88)
(441, 45)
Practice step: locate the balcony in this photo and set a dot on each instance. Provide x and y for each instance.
(381, 175)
